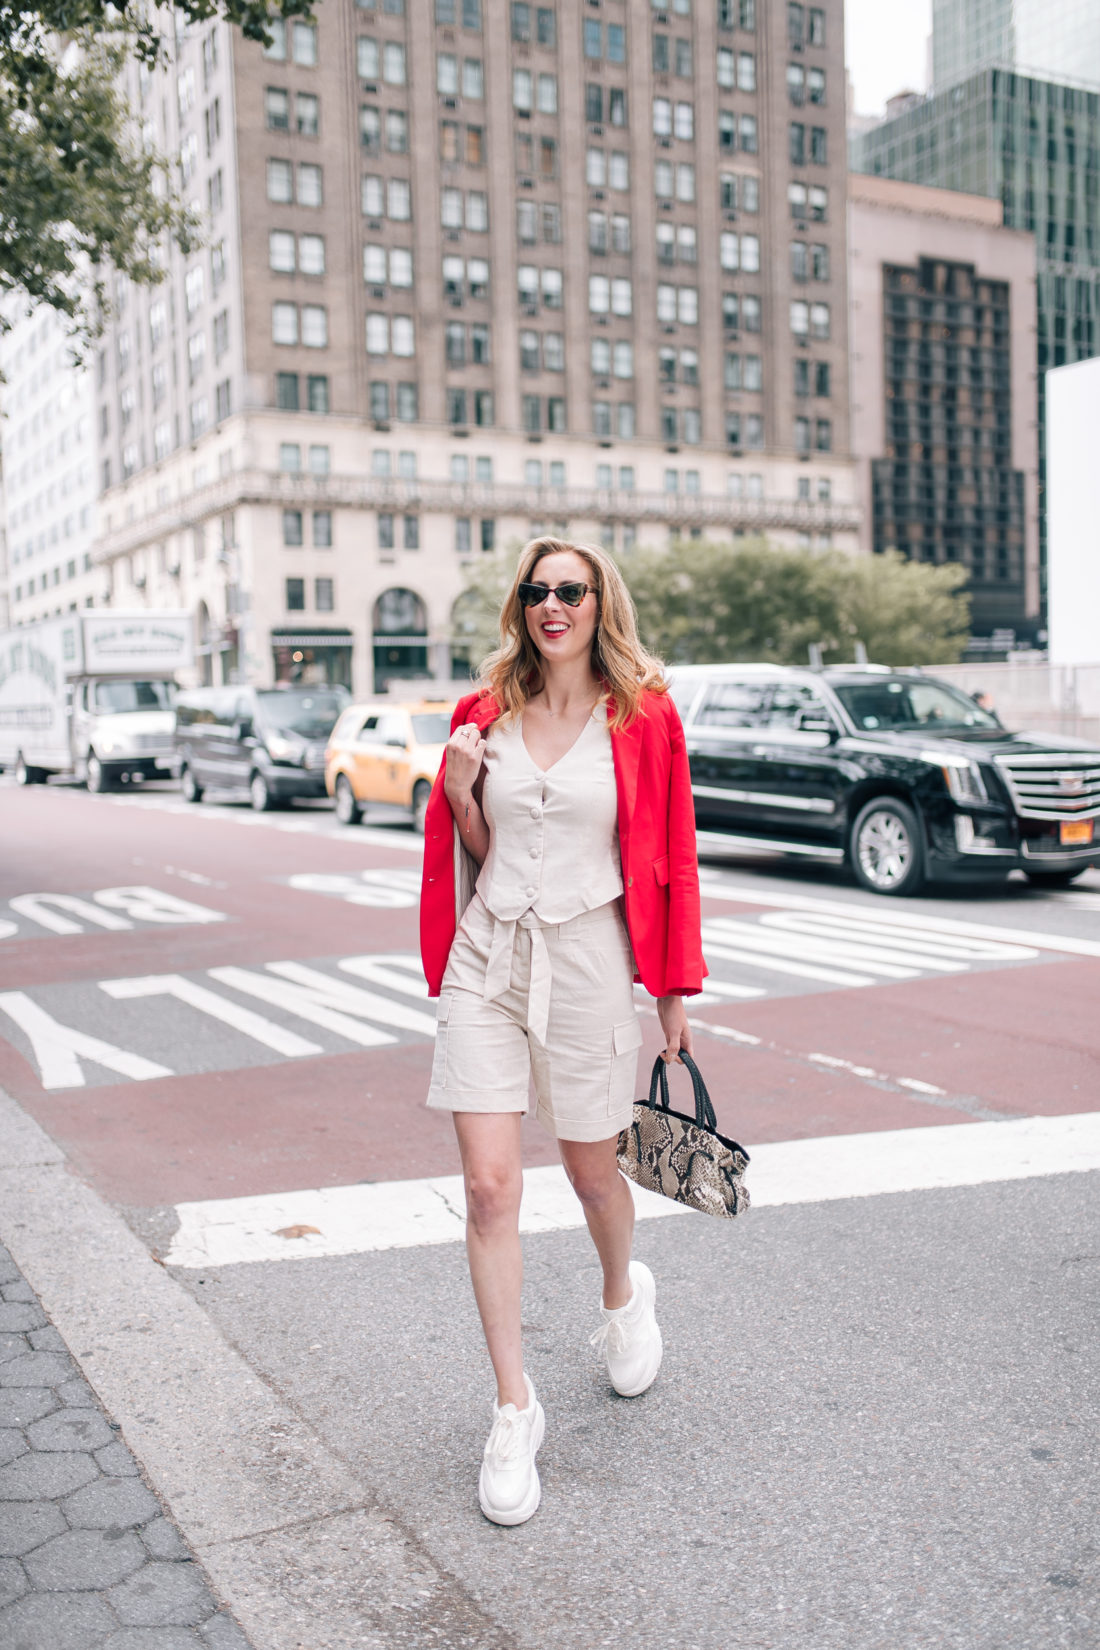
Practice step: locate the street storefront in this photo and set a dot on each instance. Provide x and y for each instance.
(315, 658)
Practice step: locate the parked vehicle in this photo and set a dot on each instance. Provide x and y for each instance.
(899, 775)
(387, 752)
(91, 695)
(265, 743)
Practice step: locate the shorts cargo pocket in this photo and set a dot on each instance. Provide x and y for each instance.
(626, 1040)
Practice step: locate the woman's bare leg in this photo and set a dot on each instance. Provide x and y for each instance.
(608, 1208)
(491, 1166)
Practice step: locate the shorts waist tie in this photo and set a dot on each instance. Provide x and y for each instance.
(498, 972)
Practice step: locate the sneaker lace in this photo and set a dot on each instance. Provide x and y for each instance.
(610, 1337)
(505, 1438)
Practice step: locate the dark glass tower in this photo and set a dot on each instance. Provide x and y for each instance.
(1035, 146)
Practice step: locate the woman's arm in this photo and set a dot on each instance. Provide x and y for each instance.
(462, 786)
(674, 1023)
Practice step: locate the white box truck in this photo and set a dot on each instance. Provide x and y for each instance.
(91, 695)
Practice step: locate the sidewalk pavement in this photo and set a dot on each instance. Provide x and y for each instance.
(88, 1559)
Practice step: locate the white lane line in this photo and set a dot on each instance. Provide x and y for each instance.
(410, 1213)
(837, 1064)
(806, 971)
(915, 942)
(725, 1031)
(876, 959)
(737, 895)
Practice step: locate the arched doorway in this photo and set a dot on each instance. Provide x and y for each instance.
(400, 638)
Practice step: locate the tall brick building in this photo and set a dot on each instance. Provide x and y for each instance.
(475, 269)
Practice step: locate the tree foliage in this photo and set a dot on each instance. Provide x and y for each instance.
(79, 194)
(702, 603)
(476, 613)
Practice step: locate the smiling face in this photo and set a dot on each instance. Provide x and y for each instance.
(562, 634)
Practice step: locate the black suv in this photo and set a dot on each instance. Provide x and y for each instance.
(898, 774)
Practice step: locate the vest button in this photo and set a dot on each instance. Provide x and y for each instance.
(534, 853)
(530, 892)
(630, 882)
(535, 812)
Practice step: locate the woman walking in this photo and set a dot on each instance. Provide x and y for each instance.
(565, 795)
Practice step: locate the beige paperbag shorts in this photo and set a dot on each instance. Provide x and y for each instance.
(552, 1003)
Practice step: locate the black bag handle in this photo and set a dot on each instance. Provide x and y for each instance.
(704, 1110)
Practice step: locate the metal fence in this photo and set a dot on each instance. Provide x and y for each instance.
(1032, 694)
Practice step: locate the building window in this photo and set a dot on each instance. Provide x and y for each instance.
(385, 531)
(320, 460)
(819, 320)
(323, 595)
(822, 375)
(379, 401)
(290, 457)
(796, 143)
(304, 38)
(295, 595)
(407, 403)
(221, 400)
(488, 535)
(823, 435)
(310, 190)
(802, 435)
(322, 529)
(292, 529)
(315, 326)
(412, 532)
(280, 181)
(281, 255)
(277, 109)
(284, 323)
(819, 146)
(820, 261)
(307, 114)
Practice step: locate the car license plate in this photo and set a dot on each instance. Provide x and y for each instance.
(1075, 830)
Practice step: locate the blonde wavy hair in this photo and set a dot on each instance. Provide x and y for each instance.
(514, 672)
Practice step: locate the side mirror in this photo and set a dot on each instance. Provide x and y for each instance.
(819, 724)
(397, 741)
(242, 729)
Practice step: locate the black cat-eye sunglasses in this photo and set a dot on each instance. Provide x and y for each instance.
(533, 595)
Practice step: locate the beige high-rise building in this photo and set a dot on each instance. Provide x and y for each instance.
(476, 269)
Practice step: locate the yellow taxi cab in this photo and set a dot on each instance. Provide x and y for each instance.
(386, 752)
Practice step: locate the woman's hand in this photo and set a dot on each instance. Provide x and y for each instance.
(673, 1018)
(465, 752)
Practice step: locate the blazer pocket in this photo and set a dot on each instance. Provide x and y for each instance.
(660, 871)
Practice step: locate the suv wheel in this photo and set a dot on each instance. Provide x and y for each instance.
(259, 793)
(189, 785)
(885, 850)
(95, 775)
(421, 793)
(348, 811)
(1054, 879)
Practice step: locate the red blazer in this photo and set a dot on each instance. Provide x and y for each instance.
(656, 843)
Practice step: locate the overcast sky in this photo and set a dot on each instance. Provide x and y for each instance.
(886, 41)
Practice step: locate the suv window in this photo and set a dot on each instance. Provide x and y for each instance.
(369, 731)
(794, 703)
(733, 705)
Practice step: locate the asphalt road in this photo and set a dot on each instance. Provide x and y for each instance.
(877, 1414)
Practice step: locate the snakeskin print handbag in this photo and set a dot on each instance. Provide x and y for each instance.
(683, 1157)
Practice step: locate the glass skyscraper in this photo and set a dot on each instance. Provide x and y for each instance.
(1033, 144)
(1055, 39)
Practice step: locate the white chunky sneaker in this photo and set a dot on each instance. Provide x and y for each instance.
(509, 1488)
(629, 1337)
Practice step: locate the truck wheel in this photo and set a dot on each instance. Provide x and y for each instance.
(25, 775)
(1054, 879)
(421, 793)
(189, 785)
(348, 811)
(96, 777)
(885, 850)
(259, 793)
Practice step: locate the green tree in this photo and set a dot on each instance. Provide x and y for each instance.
(700, 603)
(476, 613)
(79, 195)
